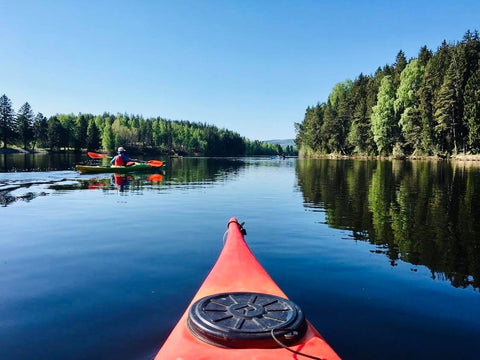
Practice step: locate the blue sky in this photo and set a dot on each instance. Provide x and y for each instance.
(249, 66)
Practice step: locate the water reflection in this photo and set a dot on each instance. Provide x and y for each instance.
(187, 172)
(108, 182)
(201, 170)
(424, 213)
(40, 162)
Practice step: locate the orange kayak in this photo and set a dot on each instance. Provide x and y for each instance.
(239, 312)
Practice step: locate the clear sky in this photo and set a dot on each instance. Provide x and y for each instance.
(252, 66)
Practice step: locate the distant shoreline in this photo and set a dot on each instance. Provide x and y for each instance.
(10, 151)
(375, 157)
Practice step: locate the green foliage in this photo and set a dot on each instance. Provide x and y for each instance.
(124, 135)
(447, 111)
(360, 136)
(424, 56)
(407, 104)
(311, 129)
(399, 66)
(80, 132)
(24, 124)
(93, 136)
(471, 113)
(69, 125)
(261, 148)
(384, 127)
(425, 106)
(432, 81)
(7, 121)
(337, 118)
(107, 132)
(54, 133)
(40, 131)
(108, 138)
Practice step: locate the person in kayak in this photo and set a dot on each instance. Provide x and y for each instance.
(121, 159)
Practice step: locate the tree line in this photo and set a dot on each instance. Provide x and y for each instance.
(107, 132)
(428, 105)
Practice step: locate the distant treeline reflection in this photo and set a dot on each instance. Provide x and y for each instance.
(424, 213)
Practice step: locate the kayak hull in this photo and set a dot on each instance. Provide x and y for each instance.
(236, 270)
(138, 167)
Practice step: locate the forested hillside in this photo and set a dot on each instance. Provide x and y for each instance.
(428, 105)
(107, 131)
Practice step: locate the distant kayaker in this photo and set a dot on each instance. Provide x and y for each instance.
(121, 159)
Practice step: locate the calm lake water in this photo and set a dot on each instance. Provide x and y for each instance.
(383, 257)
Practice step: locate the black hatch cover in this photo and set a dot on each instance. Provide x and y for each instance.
(246, 320)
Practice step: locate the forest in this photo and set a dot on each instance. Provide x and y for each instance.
(423, 106)
(106, 132)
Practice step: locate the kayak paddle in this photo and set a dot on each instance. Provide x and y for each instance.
(96, 155)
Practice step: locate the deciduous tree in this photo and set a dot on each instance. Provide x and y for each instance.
(384, 126)
(407, 104)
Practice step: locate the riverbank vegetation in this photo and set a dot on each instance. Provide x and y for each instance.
(139, 135)
(424, 106)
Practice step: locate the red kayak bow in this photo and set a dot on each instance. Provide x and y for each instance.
(239, 312)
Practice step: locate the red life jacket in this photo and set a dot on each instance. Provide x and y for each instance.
(119, 161)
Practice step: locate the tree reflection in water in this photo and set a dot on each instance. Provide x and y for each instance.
(421, 212)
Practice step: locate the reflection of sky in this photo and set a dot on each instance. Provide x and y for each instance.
(177, 175)
(82, 259)
(415, 213)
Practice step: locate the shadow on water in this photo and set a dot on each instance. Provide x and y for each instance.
(423, 213)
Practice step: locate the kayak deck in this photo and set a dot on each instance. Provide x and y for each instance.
(92, 169)
(237, 270)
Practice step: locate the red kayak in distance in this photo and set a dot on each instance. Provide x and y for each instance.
(239, 312)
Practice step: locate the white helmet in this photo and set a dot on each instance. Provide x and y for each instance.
(121, 149)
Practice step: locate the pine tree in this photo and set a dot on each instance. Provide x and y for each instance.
(424, 56)
(40, 131)
(357, 135)
(469, 54)
(400, 64)
(471, 113)
(24, 124)
(81, 132)
(447, 112)
(329, 128)
(337, 118)
(54, 132)
(7, 120)
(471, 45)
(93, 136)
(314, 122)
(432, 81)
(309, 132)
